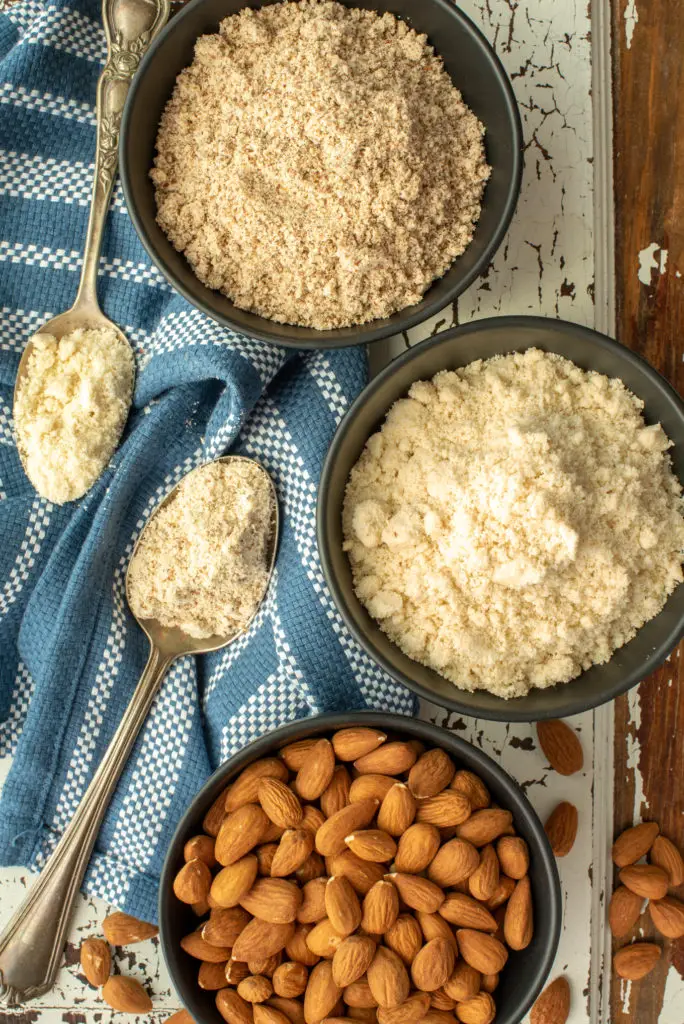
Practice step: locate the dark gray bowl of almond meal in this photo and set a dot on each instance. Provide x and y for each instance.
(317, 177)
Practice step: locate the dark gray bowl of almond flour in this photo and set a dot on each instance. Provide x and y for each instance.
(474, 69)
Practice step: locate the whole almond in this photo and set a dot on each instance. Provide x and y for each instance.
(389, 759)
(362, 874)
(331, 835)
(388, 979)
(634, 843)
(410, 1011)
(235, 971)
(359, 995)
(463, 983)
(255, 989)
(667, 915)
(342, 905)
(433, 926)
(664, 854)
(447, 809)
(432, 772)
(275, 900)
(245, 789)
(353, 743)
(96, 961)
(123, 930)
(280, 804)
(294, 848)
(352, 959)
(336, 796)
(397, 810)
(224, 926)
(261, 939)
(372, 844)
(473, 787)
(266, 1014)
(368, 1014)
(417, 847)
(484, 827)
(211, 823)
(482, 951)
(321, 993)
(561, 746)
(433, 965)
(313, 867)
(126, 995)
(312, 818)
(232, 882)
(405, 938)
(514, 856)
(292, 1009)
(240, 833)
(295, 754)
(200, 848)
(232, 1007)
(454, 862)
(312, 908)
(266, 966)
(193, 881)
(180, 1017)
(296, 947)
(380, 908)
(418, 893)
(438, 1017)
(290, 980)
(465, 912)
(503, 892)
(518, 922)
(317, 771)
(635, 961)
(624, 911)
(201, 909)
(645, 880)
(561, 829)
(212, 977)
(371, 787)
(272, 832)
(323, 939)
(196, 945)
(265, 855)
(484, 880)
(481, 1009)
(553, 1005)
(439, 1000)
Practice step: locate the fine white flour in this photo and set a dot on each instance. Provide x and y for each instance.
(514, 522)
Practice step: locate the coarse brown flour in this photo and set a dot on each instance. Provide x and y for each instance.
(514, 522)
(316, 164)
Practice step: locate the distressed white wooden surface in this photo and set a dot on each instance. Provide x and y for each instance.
(545, 266)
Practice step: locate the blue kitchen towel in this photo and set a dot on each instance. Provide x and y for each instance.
(70, 652)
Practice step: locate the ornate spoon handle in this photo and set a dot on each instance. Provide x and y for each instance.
(130, 26)
(31, 945)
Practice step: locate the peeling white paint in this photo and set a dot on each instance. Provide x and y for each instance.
(625, 995)
(634, 753)
(631, 18)
(673, 997)
(648, 262)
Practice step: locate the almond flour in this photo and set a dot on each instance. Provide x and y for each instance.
(514, 522)
(316, 164)
(202, 563)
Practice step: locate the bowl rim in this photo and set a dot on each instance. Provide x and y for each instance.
(506, 710)
(345, 336)
(545, 868)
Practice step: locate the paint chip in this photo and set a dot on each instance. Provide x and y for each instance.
(631, 18)
(648, 262)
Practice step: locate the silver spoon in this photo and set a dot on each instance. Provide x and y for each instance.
(130, 26)
(31, 944)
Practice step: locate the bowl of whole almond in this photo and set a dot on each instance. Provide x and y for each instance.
(361, 866)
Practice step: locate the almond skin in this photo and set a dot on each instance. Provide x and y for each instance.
(397, 810)
(232, 1007)
(432, 772)
(362, 874)
(321, 993)
(380, 908)
(473, 787)
(624, 911)
(200, 848)
(312, 908)
(417, 848)
(418, 893)
(664, 854)
(331, 835)
(553, 1005)
(126, 995)
(295, 754)
(273, 899)
(342, 905)
(408, 1012)
(312, 818)
(193, 881)
(317, 771)
(293, 850)
(435, 927)
(634, 843)
(352, 959)
(296, 947)
(371, 787)
(313, 867)
(445, 809)
(514, 856)
(180, 1017)
(503, 892)
(518, 924)
(245, 789)
(351, 744)
(561, 829)
(465, 912)
(485, 878)
(240, 833)
(261, 939)
(224, 926)
(635, 961)
(123, 930)
(265, 1014)
(280, 804)
(667, 915)
(96, 961)
(290, 980)
(482, 951)
(645, 880)
(232, 882)
(372, 844)
(211, 977)
(389, 759)
(195, 945)
(483, 827)
(405, 938)
(433, 965)
(235, 971)
(336, 796)
(481, 1009)
(454, 862)
(359, 995)
(388, 979)
(439, 1000)
(211, 823)
(561, 746)
(292, 1009)
(324, 940)
(463, 983)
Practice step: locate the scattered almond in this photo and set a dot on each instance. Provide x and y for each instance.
(645, 880)
(561, 746)
(664, 854)
(635, 961)
(634, 843)
(667, 915)
(123, 930)
(324, 939)
(561, 829)
(96, 961)
(624, 911)
(553, 1005)
(126, 995)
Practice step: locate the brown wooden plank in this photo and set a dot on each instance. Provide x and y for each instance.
(649, 197)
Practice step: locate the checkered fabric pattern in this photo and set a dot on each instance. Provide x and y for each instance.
(70, 652)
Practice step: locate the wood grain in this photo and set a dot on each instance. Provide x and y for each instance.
(649, 196)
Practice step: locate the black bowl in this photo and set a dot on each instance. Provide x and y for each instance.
(526, 971)
(458, 347)
(474, 68)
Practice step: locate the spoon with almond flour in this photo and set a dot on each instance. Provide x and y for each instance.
(183, 586)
